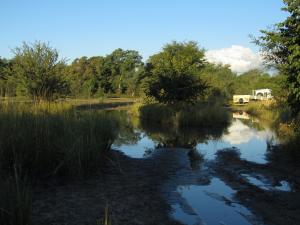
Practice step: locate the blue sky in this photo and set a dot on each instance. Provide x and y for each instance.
(78, 28)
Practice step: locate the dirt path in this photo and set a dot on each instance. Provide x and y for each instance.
(140, 191)
(130, 189)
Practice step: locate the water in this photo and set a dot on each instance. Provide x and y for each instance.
(252, 143)
(139, 149)
(266, 184)
(214, 203)
(209, 203)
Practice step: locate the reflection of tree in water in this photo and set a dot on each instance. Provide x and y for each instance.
(127, 133)
(172, 136)
(195, 158)
(176, 136)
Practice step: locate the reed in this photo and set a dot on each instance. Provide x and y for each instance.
(50, 139)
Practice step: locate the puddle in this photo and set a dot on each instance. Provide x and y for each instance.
(140, 149)
(188, 219)
(263, 183)
(252, 143)
(213, 204)
(284, 186)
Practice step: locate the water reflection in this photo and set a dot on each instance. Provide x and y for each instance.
(219, 200)
(251, 142)
(139, 139)
(213, 203)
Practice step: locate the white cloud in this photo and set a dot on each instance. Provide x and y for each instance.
(239, 133)
(240, 59)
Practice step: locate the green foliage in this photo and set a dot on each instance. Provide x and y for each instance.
(84, 74)
(8, 85)
(116, 73)
(53, 139)
(220, 79)
(281, 47)
(255, 79)
(124, 68)
(39, 71)
(172, 74)
(179, 73)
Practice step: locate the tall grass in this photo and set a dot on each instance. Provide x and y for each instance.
(43, 140)
(15, 204)
(49, 139)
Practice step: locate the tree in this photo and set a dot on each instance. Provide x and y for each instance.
(39, 71)
(84, 75)
(8, 84)
(125, 66)
(253, 79)
(220, 78)
(117, 72)
(281, 48)
(3, 75)
(172, 73)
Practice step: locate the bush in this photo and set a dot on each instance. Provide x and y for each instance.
(173, 74)
(39, 72)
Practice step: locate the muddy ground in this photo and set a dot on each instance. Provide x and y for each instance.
(140, 191)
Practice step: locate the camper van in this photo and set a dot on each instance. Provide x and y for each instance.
(262, 94)
(257, 95)
(241, 99)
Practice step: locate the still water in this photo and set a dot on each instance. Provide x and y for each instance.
(210, 203)
(244, 134)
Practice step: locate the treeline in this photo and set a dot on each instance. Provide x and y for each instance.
(37, 71)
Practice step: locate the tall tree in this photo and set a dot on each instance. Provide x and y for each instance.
(220, 78)
(125, 66)
(39, 71)
(281, 48)
(173, 73)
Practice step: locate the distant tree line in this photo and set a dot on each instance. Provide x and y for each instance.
(178, 73)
